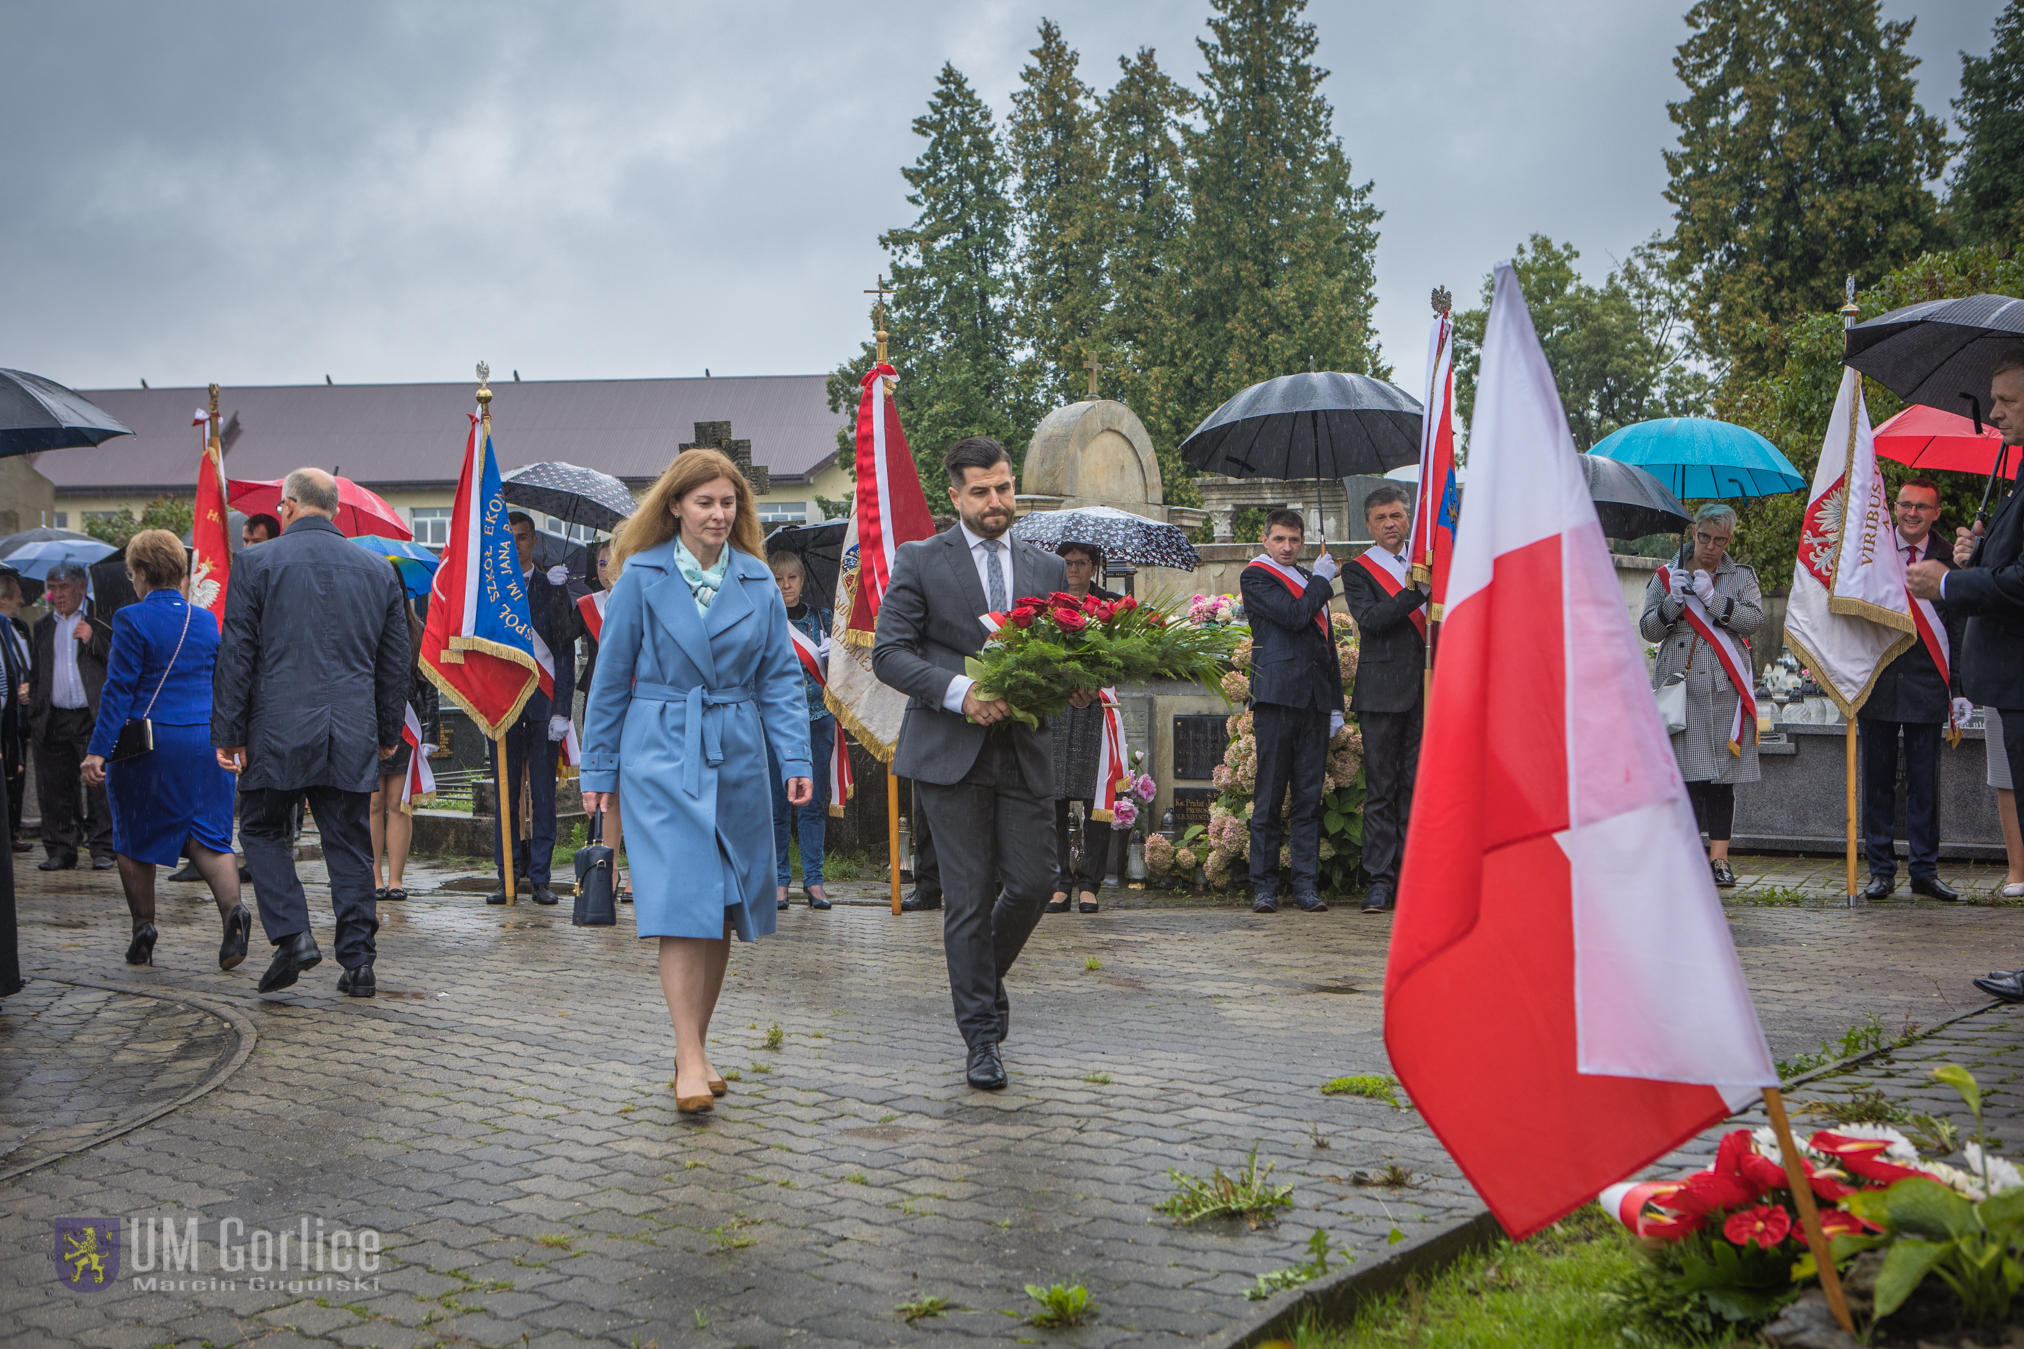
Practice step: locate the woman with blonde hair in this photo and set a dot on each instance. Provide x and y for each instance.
(172, 796)
(696, 676)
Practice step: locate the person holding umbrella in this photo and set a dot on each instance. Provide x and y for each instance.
(1988, 587)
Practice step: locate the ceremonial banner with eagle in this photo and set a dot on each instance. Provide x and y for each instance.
(210, 540)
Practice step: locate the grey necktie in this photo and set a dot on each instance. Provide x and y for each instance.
(995, 591)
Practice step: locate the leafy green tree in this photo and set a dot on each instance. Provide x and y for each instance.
(1278, 249)
(1060, 290)
(1803, 158)
(1621, 352)
(952, 340)
(1790, 407)
(1987, 197)
(1145, 217)
(175, 514)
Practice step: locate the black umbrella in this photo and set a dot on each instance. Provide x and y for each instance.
(40, 414)
(1317, 425)
(42, 535)
(1938, 353)
(820, 548)
(570, 493)
(1630, 502)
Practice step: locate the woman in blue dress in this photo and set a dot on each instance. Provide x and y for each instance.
(175, 794)
(695, 676)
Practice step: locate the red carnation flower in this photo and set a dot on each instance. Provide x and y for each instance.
(1766, 1224)
(1070, 620)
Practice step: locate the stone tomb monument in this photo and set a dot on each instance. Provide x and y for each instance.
(1092, 453)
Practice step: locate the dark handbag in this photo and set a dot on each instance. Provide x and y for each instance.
(137, 737)
(595, 900)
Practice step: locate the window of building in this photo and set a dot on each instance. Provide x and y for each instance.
(783, 512)
(432, 525)
(573, 533)
(63, 519)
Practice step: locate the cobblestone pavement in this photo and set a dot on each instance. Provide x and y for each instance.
(502, 1113)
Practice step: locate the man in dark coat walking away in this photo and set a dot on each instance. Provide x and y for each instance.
(310, 694)
(1296, 707)
(70, 654)
(1390, 685)
(1915, 696)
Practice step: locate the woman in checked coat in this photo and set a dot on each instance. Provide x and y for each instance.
(695, 675)
(1735, 605)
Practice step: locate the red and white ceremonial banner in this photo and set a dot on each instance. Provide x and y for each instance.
(1559, 948)
(1734, 656)
(891, 510)
(419, 787)
(1848, 615)
(1112, 768)
(591, 606)
(841, 787)
(210, 535)
(1433, 540)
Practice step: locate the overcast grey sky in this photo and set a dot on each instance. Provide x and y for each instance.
(263, 193)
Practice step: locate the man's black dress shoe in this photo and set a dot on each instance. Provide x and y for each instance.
(1265, 901)
(1378, 900)
(986, 1070)
(1311, 903)
(2008, 987)
(23, 845)
(292, 955)
(358, 983)
(104, 863)
(232, 951)
(1879, 887)
(57, 863)
(186, 872)
(1932, 887)
(497, 896)
(913, 903)
(141, 951)
(245, 873)
(542, 894)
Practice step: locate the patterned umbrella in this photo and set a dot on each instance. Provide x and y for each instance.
(1122, 536)
(573, 495)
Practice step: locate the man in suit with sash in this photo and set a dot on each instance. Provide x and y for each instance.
(1296, 706)
(1918, 695)
(1988, 588)
(1389, 610)
(980, 778)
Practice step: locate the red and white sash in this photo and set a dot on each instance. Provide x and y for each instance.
(841, 785)
(1727, 650)
(1296, 583)
(1933, 633)
(591, 606)
(421, 782)
(1390, 574)
(1113, 771)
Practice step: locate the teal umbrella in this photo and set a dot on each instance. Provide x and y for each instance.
(1698, 457)
(416, 564)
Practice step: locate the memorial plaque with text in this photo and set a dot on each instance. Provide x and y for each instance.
(1199, 742)
(1191, 807)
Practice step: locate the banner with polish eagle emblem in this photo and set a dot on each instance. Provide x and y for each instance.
(210, 538)
(1849, 614)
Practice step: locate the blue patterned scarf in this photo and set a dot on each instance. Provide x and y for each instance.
(703, 583)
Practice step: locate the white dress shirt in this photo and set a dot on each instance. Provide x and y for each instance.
(66, 687)
(959, 687)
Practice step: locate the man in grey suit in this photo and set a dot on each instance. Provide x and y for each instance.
(984, 782)
(310, 694)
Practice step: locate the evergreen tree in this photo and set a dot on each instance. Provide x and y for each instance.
(1988, 183)
(1803, 159)
(1145, 217)
(1278, 249)
(1060, 289)
(952, 340)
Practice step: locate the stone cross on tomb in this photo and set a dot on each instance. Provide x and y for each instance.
(717, 436)
(1094, 367)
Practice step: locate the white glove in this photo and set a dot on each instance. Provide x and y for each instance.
(1962, 709)
(1326, 567)
(1704, 586)
(822, 651)
(1334, 724)
(558, 727)
(558, 575)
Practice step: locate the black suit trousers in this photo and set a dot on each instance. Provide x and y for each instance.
(1391, 758)
(72, 813)
(1292, 751)
(266, 826)
(1879, 747)
(998, 830)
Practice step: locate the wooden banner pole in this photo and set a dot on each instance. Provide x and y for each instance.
(893, 830)
(505, 821)
(1809, 1214)
(1851, 812)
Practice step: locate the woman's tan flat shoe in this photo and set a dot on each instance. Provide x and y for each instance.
(719, 1087)
(691, 1105)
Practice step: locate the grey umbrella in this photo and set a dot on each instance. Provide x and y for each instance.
(40, 414)
(1122, 536)
(571, 493)
(1630, 502)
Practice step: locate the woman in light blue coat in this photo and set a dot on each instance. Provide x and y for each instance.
(695, 674)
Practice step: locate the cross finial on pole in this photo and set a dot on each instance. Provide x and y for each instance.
(1094, 367)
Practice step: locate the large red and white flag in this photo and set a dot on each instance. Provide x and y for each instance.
(210, 536)
(1562, 1002)
(890, 510)
(1849, 614)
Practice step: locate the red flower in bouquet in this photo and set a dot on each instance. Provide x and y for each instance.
(1030, 602)
(1126, 604)
(1766, 1224)
(1070, 620)
(1839, 1222)
(1061, 599)
(1023, 616)
(1862, 1157)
